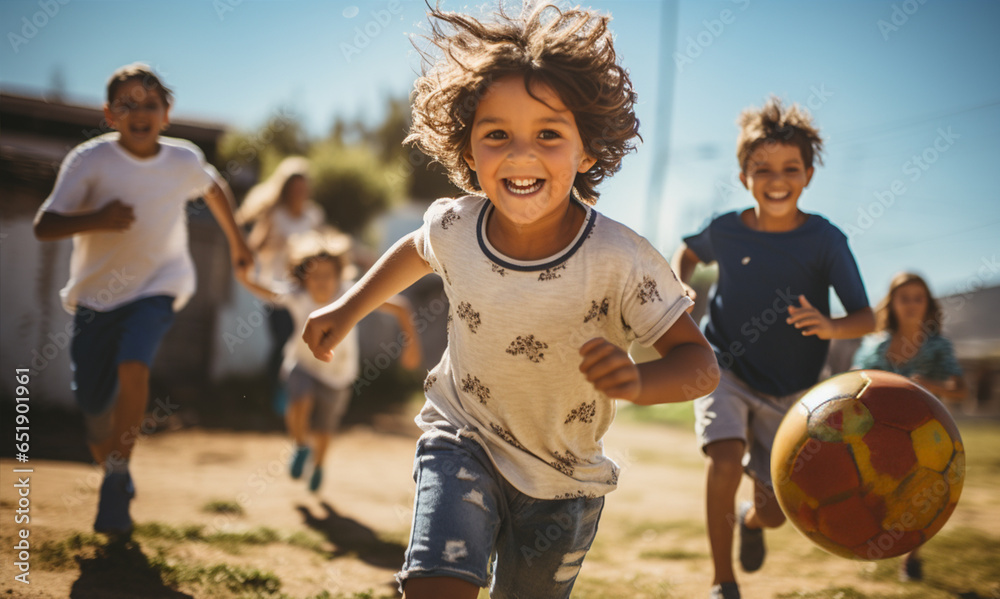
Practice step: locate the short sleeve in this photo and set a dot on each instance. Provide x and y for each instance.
(867, 354)
(423, 241)
(73, 183)
(701, 244)
(653, 298)
(945, 363)
(207, 176)
(845, 276)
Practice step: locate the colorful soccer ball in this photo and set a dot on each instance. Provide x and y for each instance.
(868, 465)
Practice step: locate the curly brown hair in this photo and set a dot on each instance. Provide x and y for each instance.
(775, 124)
(570, 51)
(885, 319)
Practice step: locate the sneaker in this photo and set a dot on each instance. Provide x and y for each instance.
(298, 462)
(752, 548)
(725, 590)
(911, 570)
(317, 479)
(112, 509)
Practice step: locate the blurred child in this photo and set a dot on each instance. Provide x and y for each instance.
(771, 257)
(279, 207)
(528, 114)
(121, 197)
(319, 392)
(908, 342)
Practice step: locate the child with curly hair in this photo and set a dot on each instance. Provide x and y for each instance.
(528, 114)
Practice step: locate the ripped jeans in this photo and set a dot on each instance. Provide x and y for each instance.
(467, 518)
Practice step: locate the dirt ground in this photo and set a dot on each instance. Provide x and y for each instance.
(348, 539)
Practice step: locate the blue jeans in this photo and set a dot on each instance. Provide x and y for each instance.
(467, 517)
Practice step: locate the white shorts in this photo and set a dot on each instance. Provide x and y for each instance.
(735, 411)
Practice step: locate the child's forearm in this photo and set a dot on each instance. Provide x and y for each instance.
(396, 270)
(50, 226)
(684, 263)
(220, 203)
(686, 372)
(265, 293)
(856, 324)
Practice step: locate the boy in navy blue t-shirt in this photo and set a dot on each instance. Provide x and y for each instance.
(769, 322)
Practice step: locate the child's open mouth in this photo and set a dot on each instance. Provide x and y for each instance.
(777, 195)
(523, 186)
(140, 129)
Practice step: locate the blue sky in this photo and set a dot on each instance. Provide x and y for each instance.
(906, 93)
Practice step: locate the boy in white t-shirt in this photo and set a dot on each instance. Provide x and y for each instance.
(529, 114)
(122, 198)
(319, 392)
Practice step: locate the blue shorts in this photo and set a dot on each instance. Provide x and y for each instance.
(465, 514)
(103, 340)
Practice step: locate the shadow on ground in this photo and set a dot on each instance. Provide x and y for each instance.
(350, 536)
(120, 570)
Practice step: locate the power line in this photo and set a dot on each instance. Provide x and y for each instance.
(939, 237)
(868, 132)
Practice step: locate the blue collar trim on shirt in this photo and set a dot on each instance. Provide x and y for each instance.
(529, 267)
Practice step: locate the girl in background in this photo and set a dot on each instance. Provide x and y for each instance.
(908, 342)
(278, 208)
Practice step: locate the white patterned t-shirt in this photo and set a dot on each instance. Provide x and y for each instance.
(510, 376)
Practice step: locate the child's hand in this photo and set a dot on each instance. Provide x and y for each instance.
(810, 320)
(610, 369)
(324, 330)
(116, 216)
(241, 255)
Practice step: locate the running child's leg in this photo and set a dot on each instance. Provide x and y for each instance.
(297, 419)
(542, 544)
(126, 416)
(765, 512)
(321, 441)
(297, 422)
(440, 588)
(724, 472)
(457, 512)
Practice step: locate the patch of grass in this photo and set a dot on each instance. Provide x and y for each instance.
(158, 530)
(222, 506)
(956, 561)
(680, 415)
(242, 582)
(308, 540)
(58, 555)
(229, 541)
(670, 554)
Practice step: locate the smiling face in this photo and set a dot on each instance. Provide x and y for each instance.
(776, 175)
(526, 153)
(139, 115)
